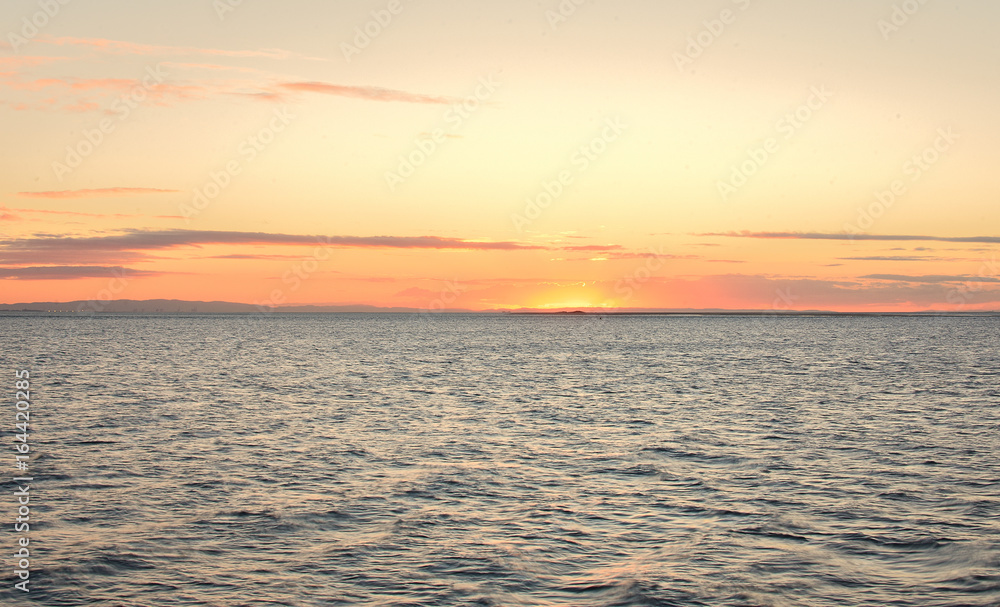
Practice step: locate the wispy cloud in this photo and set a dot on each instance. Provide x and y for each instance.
(890, 258)
(75, 94)
(118, 191)
(73, 84)
(70, 272)
(849, 237)
(8, 214)
(372, 93)
(243, 257)
(931, 279)
(12, 65)
(30, 257)
(122, 47)
(924, 258)
(593, 247)
(135, 246)
(217, 67)
(147, 240)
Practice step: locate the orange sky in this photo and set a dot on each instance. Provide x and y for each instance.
(742, 154)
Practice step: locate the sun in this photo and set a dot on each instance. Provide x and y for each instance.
(575, 304)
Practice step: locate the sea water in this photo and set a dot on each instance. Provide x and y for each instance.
(490, 459)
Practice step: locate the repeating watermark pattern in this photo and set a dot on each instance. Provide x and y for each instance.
(292, 280)
(224, 7)
(712, 31)
(632, 282)
(451, 291)
(449, 295)
(122, 107)
(914, 168)
(294, 277)
(963, 294)
(580, 160)
(365, 34)
(563, 12)
(250, 325)
(118, 283)
(899, 17)
(248, 150)
(426, 146)
(33, 25)
(786, 128)
(22, 449)
(784, 300)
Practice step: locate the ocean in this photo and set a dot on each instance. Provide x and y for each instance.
(488, 459)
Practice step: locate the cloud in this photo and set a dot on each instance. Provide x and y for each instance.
(145, 240)
(8, 214)
(931, 279)
(73, 84)
(18, 63)
(255, 257)
(121, 47)
(71, 272)
(372, 93)
(70, 92)
(215, 67)
(852, 237)
(69, 257)
(651, 255)
(593, 247)
(118, 191)
(893, 258)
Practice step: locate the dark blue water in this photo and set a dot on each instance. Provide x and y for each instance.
(498, 460)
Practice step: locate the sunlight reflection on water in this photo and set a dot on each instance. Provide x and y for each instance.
(498, 460)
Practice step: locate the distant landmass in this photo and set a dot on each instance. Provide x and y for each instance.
(176, 306)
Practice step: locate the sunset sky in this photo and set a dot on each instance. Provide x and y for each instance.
(767, 154)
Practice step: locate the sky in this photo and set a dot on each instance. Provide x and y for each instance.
(544, 154)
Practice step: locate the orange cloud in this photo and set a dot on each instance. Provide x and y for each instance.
(133, 48)
(164, 90)
(16, 64)
(6, 215)
(75, 84)
(931, 279)
(70, 272)
(119, 191)
(372, 93)
(851, 237)
(158, 94)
